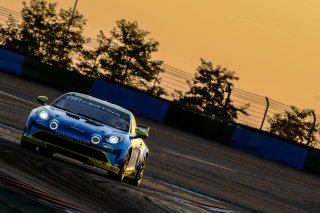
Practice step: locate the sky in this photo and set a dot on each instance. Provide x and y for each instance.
(273, 46)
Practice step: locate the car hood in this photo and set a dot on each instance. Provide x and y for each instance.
(81, 124)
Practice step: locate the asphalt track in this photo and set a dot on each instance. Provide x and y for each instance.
(184, 173)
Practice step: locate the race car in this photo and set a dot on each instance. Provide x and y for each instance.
(89, 130)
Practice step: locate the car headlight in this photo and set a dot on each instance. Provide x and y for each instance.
(113, 139)
(43, 114)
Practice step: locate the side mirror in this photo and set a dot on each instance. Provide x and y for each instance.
(43, 100)
(142, 132)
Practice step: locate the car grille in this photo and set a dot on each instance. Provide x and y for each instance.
(70, 145)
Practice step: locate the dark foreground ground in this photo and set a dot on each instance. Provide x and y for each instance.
(185, 173)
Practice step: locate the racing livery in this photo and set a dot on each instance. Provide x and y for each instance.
(90, 130)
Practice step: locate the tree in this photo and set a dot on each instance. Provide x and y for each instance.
(89, 59)
(45, 34)
(9, 36)
(295, 124)
(210, 91)
(71, 40)
(127, 58)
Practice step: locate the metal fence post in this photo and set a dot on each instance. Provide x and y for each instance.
(65, 36)
(265, 113)
(229, 90)
(312, 128)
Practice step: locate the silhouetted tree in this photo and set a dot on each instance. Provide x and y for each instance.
(10, 35)
(127, 58)
(210, 92)
(44, 33)
(295, 124)
(89, 59)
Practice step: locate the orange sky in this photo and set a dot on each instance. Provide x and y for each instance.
(273, 46)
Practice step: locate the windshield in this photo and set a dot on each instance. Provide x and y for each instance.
(94, 110)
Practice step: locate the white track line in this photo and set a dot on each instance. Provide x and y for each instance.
(17, 98)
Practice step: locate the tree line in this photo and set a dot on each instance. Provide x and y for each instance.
(125, 56)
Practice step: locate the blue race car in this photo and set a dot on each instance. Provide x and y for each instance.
(90, 130)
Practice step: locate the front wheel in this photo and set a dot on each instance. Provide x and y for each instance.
(120, 175)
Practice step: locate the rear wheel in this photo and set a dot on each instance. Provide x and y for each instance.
(138, 178)
(27, 145)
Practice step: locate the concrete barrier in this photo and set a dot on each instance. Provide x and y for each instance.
(269, 148)
(55, 76)
(136, 101)
(312, 162)
(11, 62)
(199, 124)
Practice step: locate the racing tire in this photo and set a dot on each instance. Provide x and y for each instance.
(138, 178)
(27, 145)
(120, 175)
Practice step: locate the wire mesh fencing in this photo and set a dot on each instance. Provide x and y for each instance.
(260, 109)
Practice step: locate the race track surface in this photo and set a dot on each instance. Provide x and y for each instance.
(184, 173)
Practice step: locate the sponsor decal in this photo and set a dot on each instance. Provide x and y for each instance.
(83, 101)
(75, 129)
(113, 169)
(72, 137)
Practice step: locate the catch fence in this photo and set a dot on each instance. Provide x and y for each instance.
(259, 110)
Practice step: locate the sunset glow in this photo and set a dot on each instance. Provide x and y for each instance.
(273, 46)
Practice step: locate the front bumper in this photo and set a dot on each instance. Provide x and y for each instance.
(65, 146)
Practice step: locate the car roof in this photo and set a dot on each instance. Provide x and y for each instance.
(103, 102)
